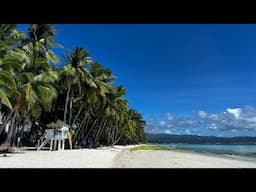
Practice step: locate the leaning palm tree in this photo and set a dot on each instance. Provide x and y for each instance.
(114, 110)
(92, 98)
(87, 99)
(33, 88)
(9, 40)
(73, 75)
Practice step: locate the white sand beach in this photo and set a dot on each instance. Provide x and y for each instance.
(177, 159)
(80, 158)
(119, 157)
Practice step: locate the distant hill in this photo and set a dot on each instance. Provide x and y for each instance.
(194, 139)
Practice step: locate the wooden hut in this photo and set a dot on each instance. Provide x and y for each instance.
(55, 136)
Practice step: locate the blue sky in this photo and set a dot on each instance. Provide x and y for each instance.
(178, 69)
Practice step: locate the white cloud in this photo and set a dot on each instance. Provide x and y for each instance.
(187, 132)
(251, 119)
(202, 114)
(235, 111)
(212, 126)
(162, 123)
(213, 117)
(152, 118)
(185, 122)
(170, 116)
(232, 119)
(167, 131)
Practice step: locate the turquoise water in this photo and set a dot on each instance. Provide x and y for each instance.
(242, 150)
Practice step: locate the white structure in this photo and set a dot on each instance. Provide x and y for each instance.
(55, 136)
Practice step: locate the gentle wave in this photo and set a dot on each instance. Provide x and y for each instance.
(220, 149)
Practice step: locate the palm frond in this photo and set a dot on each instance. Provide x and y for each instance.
(6, 80)
(46, 95)
(5, 100)
(31, 96)
(52, 57)
(36, 110)
(46, 77)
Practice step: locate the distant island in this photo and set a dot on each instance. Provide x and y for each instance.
(195, 139)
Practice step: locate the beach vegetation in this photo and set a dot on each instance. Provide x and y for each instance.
(36, 89)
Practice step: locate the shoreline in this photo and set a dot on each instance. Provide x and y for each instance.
(121, 157)
(102, 157)
(212, 154)
(176, 158)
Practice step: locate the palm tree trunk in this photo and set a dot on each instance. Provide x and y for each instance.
(70, 109)
(66, 104)
(118, 139)
(112, 135)
(98, 131)
(117, 131)
(2, 127)
(101, 129)
(11, 133)
(79, 129)
(93, 125)
(78, 113)
(109, 134)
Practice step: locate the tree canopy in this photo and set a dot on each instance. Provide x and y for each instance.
(34, 92)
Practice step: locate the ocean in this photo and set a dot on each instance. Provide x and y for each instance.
(219, 149)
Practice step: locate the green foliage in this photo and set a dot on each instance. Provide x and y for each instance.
(81, 92)
(151, 147)
(4, 99)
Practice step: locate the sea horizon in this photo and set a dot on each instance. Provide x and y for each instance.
(220, 149)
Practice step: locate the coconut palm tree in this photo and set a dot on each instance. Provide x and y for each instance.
(9, 38)
(33, 91)
(40, 41)
(73, 75)
(92, 97)
(82, 90)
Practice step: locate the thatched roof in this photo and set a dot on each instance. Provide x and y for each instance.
(57, 125)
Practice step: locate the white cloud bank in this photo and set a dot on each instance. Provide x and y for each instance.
(236, 112)
(167, 131)
(232, 119)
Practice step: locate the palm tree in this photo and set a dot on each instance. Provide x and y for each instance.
(73, 75)
(33, 88)
(40, 41)
(137, 128)
(33, 76)
(92, 97)
(83, 90)
(114, 111)
(9, 38)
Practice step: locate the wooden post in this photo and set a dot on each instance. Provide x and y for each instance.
(70, 140)
(63, 144)
(55, 144)
(59, 140)
(51, 144)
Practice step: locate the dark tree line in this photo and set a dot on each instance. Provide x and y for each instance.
(34, 92)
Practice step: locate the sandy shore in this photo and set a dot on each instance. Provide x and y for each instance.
(177, 159)
(119, 157)
(82, 158)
